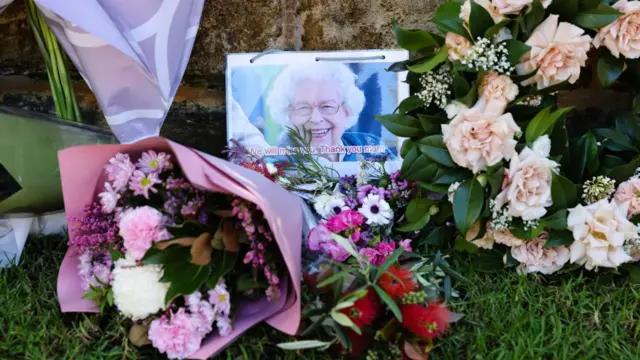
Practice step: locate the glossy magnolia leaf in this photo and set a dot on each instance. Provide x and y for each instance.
(582, 152)
(431, 124)
(434, 148)
(479, 20)
(624, 172)
(417, 166)
(566, 9)
(447, 176)
(609, 162)
(519, 230)
(614, 140)
(609, 68)
(398, 66)
(597, 17)
(186, 280)
(495, 29)
(401, 125)
(557, 220)
(417, 208)
(438, 189)
(563, 192)
(588, 4)
(415, 225)
(533, 17)
(460, 86)
(628, 124)
(467, 204)
(460, 244)
(470, 99)
(447, 19)
(430, 63)
(495, 181)
(440, 236)
(186, 229)
(414, 40)
(559, 238)
(223, 262)
(543, 123)
(516, 50)
(410, 103)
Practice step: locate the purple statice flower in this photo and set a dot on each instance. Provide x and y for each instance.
(177, 183)
(202, 216)
(94, 269)
(366, 190)
(350, 202)
(347, 184)
(97, 229)
(171, 205)
(192, 206)
(397, 182)
(366, 236)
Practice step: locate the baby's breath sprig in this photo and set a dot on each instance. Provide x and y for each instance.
(487, 56)
(436, 85)
(500, 218)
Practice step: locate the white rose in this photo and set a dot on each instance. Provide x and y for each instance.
(534, 257)
(528, 189)
(600, 230)
(137, 290)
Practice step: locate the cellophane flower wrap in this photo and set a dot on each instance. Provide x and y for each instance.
(191, 248)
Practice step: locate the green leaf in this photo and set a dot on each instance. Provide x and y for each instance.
(115, 254)
(407, 145)
(417, 166)
(520, 78)
(581, 153)
(557, 220)
(413, 40)
(518, 229)
(398, 66)
(434, 148)
(174, 253)
(563, 192)
(448, 176)
(344, 320)
(417, 208)
(533, 17)
(566, 9)
(188, 279)
(609, 162)
(430, 63)
(223, 262)
(304, 344)
(559, 238)
(415, 225)
(471, 97)
(622, 173)
(447, 19)
(461, 244)
(186, 229)
(389, 302)
(543, 123)
(401, 125)
(246, 282)
(596, 18)
(410, 103)
(516, 50)
(461, 86)
(479, 20)
(614, 140)
(439, 189)
(588, 4)
(609, 68)
(495, 181)
(488, 261)
(440, 236)
(495, 29)
(628, 124)
(333, 278)
(432, 124)
(467, 204)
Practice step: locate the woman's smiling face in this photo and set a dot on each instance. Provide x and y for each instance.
(318, 107)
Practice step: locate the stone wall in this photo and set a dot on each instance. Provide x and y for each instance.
(197, 117)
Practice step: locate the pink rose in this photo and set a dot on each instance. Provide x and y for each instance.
(348, 219)
(623, 35)
(558, 51)
(457, 46)
(513, 7)
(629, 191)
(497, 90)
(534, 257)
(477, 139)
(140, 227)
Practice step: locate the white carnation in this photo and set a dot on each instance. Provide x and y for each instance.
(137, 290)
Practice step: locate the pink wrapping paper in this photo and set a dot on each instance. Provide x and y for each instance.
(81, 168)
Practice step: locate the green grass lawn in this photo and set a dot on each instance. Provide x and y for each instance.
(507, 316)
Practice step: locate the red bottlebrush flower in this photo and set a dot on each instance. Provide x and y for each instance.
(364, 311)
(358, 344)
(398, 281)
(426, 322)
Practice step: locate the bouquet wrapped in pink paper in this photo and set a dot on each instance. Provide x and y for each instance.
(193, 249)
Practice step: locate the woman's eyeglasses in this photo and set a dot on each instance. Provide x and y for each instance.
(325, 108)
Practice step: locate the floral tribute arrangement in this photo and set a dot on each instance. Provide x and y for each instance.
(367, 295)
(190, 263)
(501, 162)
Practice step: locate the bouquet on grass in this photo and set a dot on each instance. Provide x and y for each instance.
(187, 246)
(500, 160)
(367, 293)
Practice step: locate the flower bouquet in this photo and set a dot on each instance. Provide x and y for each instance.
(189, 247)
(498, 157)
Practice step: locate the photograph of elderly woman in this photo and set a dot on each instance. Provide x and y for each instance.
(333, 103)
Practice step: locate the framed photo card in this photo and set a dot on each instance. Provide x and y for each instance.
(331, 96)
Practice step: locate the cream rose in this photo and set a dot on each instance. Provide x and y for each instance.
(623, 35)
(504, 237)
(558, 51)
(457, 46)
(527, 186)
(477, 139)
(465, 10)
(512, 7)
(629, 191)
(497, 91)
(599, 231)
(534, 257)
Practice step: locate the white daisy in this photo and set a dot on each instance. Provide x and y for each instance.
(329, 205)
(376, 210)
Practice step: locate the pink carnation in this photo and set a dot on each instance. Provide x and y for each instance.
(178, 337)
(140, 227)
(372, 254)
(629, 191)
(348, 219)
(386, 249)
(405, 244)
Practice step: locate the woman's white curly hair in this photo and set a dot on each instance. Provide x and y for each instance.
(283, 90)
